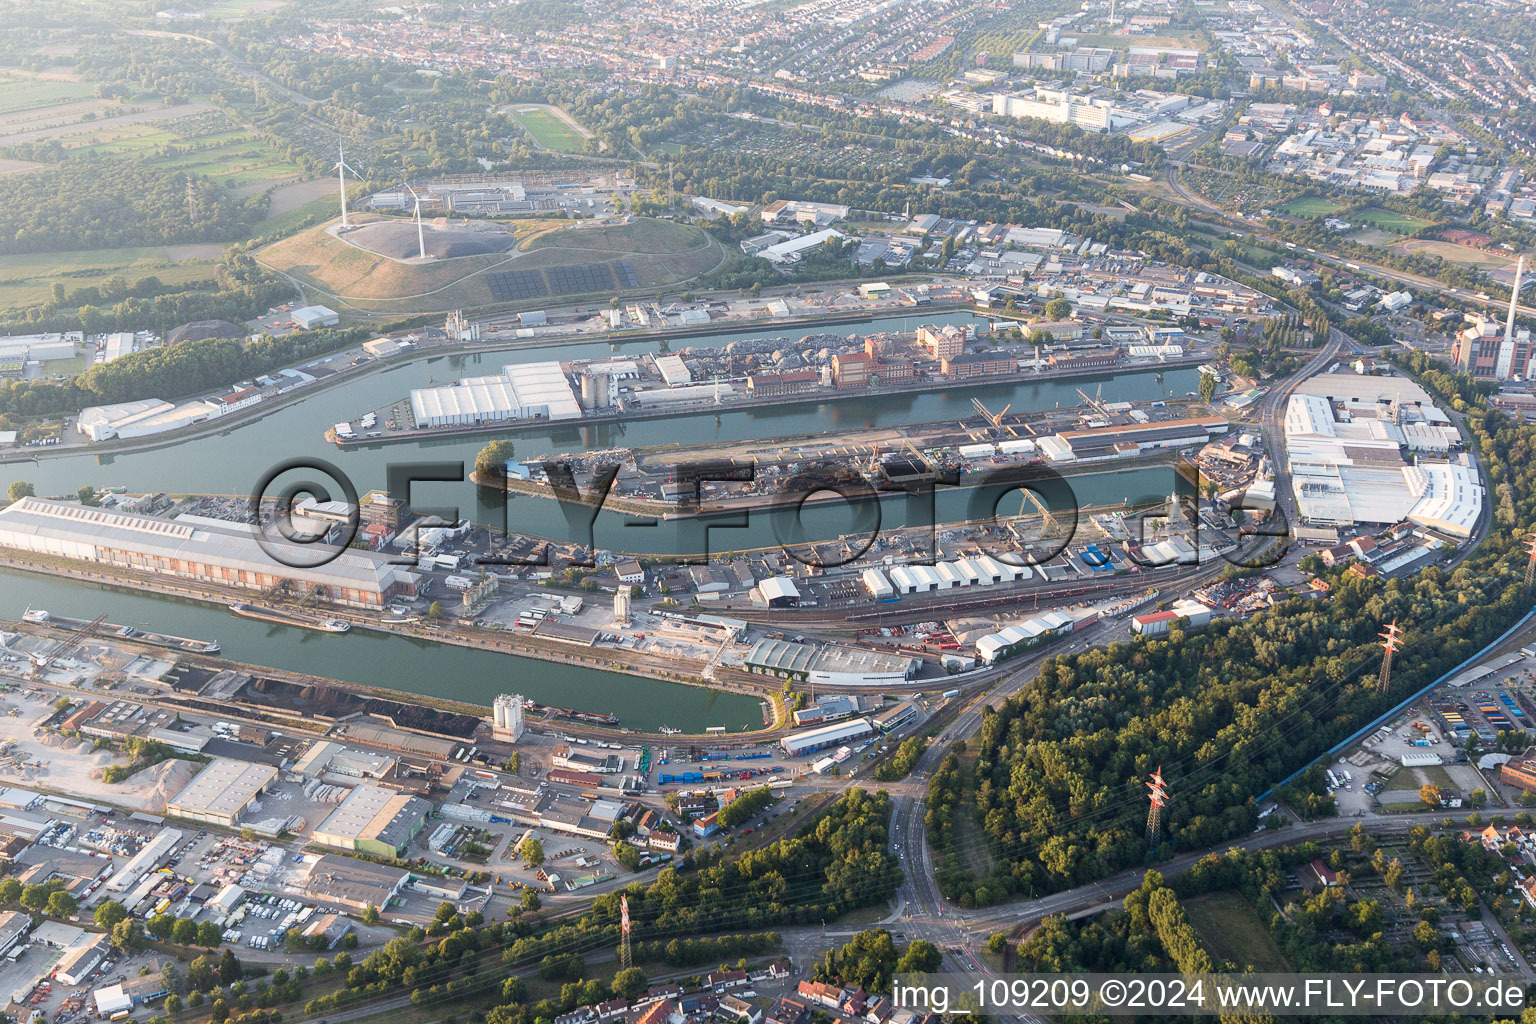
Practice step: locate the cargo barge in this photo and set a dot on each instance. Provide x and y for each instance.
(282, 618)
(576, 716)
(110, 630)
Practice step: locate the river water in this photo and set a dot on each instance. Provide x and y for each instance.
(232, 462)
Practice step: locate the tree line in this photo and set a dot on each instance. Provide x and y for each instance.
(174, 371)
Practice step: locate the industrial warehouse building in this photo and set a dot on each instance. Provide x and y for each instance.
(310, 317)
(374, 820)
(39, 348)
(355, 884)
(197, 548)
(1345, 437)
(790, 250)
(799, 744)
(894, 716)
(982, 571)
(77, 963)
(1005, 643)
(776, 592)
(1159, 623)
(1130, 440)
(142, 418)
(221, 792)
(828, 709)
(1520, 772)
(13, 925)
(527, 391)
(150, 857)
(830, 665)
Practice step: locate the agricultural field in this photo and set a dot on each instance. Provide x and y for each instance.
(1313, 206)
(205, 143)
(1390, 220)
(26, 279)
(1232, 931)
(18, 94)
(550, 127)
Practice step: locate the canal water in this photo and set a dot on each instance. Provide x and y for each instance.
(389, 661)
(232, 463)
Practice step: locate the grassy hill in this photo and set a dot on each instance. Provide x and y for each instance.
(660, 253)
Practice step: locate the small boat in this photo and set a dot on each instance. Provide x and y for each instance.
(667, 730)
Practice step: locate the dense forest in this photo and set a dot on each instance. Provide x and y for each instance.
(1058, 780)
(90, 203)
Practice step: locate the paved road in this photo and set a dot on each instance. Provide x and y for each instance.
(1272, 420)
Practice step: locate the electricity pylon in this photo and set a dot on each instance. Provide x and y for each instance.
(1391, 643)
(1158, 791)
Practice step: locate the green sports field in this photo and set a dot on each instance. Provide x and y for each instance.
(548, 130)
(1391, 220)
(1312, 207)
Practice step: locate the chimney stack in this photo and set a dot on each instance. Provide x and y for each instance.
(1514, 300)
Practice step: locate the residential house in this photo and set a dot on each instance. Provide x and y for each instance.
(738, 1008)
(829, 996)
(720, 981)
(788, 1011)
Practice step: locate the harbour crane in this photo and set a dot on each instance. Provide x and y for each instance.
(1031, 498)
(995, 419)
(1096, 402)
(69, 644)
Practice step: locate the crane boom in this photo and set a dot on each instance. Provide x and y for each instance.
(69, 644)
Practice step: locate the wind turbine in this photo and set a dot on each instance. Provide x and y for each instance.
(341, 181)
(421, 238)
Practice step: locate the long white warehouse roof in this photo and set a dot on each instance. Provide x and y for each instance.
(77, 531)
(521, 391)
